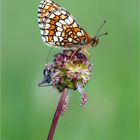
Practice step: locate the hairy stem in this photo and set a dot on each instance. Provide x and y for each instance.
(57, 114)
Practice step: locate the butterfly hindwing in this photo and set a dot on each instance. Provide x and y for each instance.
(59, 28)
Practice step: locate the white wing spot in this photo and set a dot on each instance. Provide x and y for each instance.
(39, 10)
(40, 25)
(63, 12)
(52, 16)
(74, 41)
(43, 39)
(59, 24)
(61, 38)
(59, 29)
(39, 20)
(58, 33)
(63, 22)
(79, 34)
(67, 21)
(57, 13)
(48, 21)
(47, 26)
(46, 32)
(70, 32)
(55, 39)
(42, 32)
(70, 19)
(57, 43)
(48, 0)
(70, 39)
(62, 43)
(74, 24)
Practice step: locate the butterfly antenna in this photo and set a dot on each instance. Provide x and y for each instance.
(100, 28)
(106, 33)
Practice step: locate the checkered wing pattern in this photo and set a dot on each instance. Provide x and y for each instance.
(58, 27)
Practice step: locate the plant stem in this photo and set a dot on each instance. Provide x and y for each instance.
(57, 114)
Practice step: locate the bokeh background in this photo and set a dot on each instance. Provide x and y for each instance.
(112, 110)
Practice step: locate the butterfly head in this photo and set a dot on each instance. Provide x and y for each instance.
(95, 39)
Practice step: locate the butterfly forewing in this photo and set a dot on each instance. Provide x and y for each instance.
(58, 27)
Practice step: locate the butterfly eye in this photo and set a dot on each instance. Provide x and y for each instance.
(95, 41)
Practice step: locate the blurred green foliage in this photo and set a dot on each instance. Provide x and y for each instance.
(112, 110)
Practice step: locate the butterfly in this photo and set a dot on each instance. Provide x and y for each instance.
(59, 28)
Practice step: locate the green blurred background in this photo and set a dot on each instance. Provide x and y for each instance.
(112, 110)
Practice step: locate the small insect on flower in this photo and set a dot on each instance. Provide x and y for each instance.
(59, 28)
(47, 76)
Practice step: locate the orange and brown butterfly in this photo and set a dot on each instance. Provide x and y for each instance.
(59, 28)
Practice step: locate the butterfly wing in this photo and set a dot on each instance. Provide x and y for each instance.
(44, 9)
(59, 28)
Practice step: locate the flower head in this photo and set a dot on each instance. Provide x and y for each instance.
(68, 72)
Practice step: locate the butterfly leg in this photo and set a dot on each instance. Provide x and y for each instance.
(75, 52)
(85, 52)
(48, 56)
